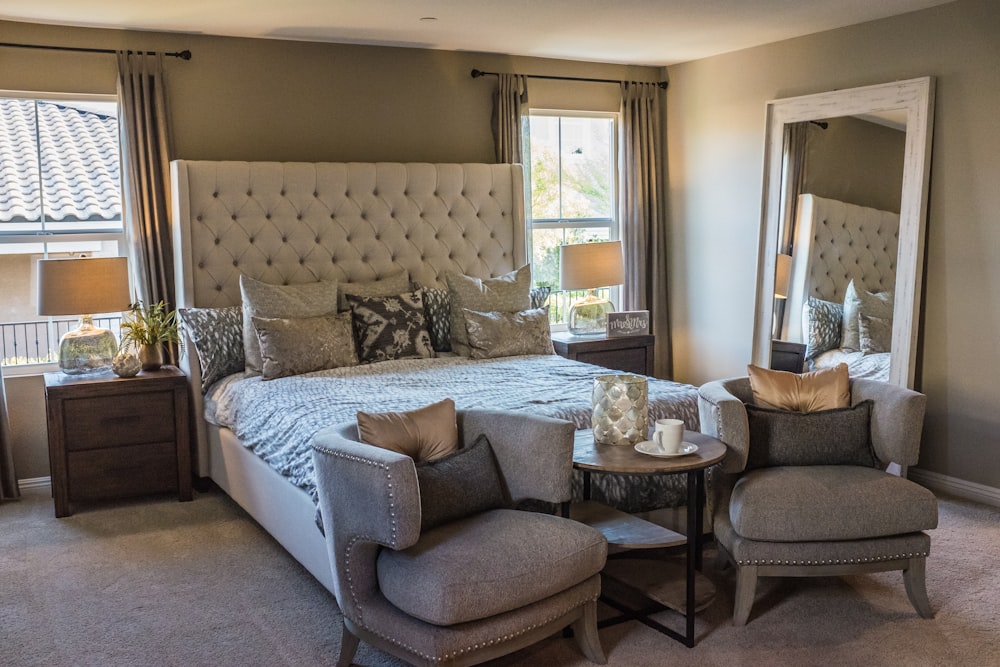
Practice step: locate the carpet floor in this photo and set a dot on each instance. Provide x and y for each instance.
(156, 582)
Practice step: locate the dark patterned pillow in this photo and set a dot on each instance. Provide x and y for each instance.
(828, 437)
(821, 321)
(437, 308)
(459, 485)
(217, 335)
(397, 283)
(390, 327)
(507, 334)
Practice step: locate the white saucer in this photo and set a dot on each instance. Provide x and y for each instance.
(648, 447)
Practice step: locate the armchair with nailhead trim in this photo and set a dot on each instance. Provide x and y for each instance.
(471, 589)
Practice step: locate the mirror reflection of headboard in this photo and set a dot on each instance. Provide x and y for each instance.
(836, 242)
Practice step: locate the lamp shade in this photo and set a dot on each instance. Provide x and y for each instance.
(782, 274)
(591, 265)
(83, 286)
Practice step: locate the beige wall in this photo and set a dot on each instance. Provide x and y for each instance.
(716, 140)
(278, 100)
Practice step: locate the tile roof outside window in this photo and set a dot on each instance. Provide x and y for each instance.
(80, 163)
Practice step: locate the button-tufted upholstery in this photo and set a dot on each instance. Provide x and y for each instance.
(285, 223)
(841, 242)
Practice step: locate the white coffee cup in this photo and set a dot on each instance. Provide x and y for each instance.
(668, 434)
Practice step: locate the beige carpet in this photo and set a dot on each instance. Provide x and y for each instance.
(156, 582)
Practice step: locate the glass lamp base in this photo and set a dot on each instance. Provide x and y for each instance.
(87, 349)
(589, 316)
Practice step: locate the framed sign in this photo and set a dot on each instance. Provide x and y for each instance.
(628, 323)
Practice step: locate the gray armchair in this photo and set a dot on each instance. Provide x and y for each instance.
(467, 591)
(820, 520)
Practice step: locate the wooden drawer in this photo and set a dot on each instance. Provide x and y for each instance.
(94, 423)
(122, 471)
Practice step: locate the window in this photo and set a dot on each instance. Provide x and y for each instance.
(573, 167)
(60, 196)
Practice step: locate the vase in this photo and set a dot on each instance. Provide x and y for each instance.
(620, 409)
(126, 364)
(151, 357)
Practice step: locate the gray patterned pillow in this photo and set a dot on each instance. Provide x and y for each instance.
(821, 323)
(392, 285)
(538, 297)
(505, 294)
(507, 334)
(289, 301)
(390, 327)
(217, 335)
(297, 346)
(856, 302)
(874, 334)
(437, 308)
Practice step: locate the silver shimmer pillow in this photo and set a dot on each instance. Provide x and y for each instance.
(297, 346)
(497, 334)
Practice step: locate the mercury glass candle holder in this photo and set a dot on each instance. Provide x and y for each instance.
(621, 409)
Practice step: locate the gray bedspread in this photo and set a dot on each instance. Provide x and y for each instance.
(277, 419)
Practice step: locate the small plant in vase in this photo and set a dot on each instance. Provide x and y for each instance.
(148, 328)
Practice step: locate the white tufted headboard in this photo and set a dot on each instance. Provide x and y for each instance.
(836, 242)
(297, 222)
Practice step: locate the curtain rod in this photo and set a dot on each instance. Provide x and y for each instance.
(476, 73)
(183, 55)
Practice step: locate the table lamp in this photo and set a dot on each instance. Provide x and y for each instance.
(75, 286)
(782, 274)
(587, 266)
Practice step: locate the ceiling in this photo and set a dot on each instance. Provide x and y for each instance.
(638, 32)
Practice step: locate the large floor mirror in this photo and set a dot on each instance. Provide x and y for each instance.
(842, 241)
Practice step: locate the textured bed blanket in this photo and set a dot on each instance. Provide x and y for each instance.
(277, 419)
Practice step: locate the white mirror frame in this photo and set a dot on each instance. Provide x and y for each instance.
(916, 98)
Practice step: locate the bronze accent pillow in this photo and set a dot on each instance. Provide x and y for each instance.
(509, 293)
(296, 346)
(800, 392)
(423, 434)
(507, 334)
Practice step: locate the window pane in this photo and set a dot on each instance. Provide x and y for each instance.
(586, 168)
(544, 142)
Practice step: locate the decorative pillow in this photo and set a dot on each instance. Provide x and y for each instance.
(802, 392)
(437, 308)
(856, 302)
(506, 334)
(296, 346)
(217, 335)
(538, 297)
(505, 294)
(397, 283)
(874, 334)
(828, 437)
(458, 485)
(288, 301)
(390, 327)
(423, 434)
(821, 323)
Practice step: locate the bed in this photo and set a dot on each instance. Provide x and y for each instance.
(356, 223)
(841, 285)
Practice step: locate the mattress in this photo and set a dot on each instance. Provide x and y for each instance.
(277, 419)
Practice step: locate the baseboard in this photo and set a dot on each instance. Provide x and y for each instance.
(35, 483)
(960, 488)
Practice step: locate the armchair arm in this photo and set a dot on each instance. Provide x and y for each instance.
(535, 453)
(896, 422)
(724, 417)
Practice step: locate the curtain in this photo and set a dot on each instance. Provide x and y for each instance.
(146, 174)
(793, 176)
(509, 103)
(8, 480)
(643, 224)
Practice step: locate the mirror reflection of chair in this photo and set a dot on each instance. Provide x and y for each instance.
(819, 520)
(472, 589)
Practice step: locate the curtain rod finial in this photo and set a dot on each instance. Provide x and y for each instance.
(185, 54)
(476, 73)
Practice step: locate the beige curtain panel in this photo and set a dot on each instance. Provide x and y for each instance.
(641, 213)
(509, 104)
(8, 479)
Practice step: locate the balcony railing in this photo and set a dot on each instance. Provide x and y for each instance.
(38, 342)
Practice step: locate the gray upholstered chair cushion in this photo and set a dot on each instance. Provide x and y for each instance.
(812, 503)
(489, 564)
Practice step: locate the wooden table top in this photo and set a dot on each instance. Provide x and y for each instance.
(624, 459)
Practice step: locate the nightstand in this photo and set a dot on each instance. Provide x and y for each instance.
(632, 354)
(112, 437)
(787, 356)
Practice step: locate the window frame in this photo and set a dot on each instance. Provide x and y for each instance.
(100, 232)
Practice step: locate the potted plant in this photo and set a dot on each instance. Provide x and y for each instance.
(147, 328)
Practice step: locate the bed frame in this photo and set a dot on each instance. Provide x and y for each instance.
(834, 243)
(287, 223)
